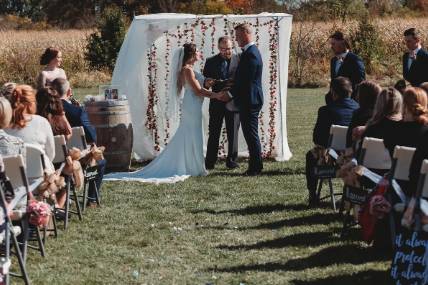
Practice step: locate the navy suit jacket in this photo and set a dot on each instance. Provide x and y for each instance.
(247, 90)
(418, 72)
(338, 112)
(77, 117)
(352, 68)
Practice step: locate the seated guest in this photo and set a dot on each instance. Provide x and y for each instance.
(420, 155)
(415, 60)
(49, 106)
(7, 90)
(75, 114)
(424, 86)
(78, 117)
(51, 59)
(28, 126)
(414, 123)
(366, 96)
(386, 114)
(9, 145)
(401, 86)
(338, 112)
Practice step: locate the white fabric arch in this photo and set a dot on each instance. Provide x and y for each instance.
(151, 40)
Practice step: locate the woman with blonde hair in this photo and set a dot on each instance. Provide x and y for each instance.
(9, 145)
(28, 126)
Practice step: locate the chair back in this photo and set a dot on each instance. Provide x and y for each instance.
(60, 149)
(424, 178)
(35, 161)
(374, 154)
(337, 140)
(402, 160)
(15, 170)
(77, 139)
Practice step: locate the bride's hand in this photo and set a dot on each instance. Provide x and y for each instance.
(209, 82)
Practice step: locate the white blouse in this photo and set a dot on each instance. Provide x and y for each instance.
(38, 131)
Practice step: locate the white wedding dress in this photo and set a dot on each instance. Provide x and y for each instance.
(183, 156)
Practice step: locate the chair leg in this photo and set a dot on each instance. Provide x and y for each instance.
(25, 236)
(85, 195)
(333, 199)
(318, 193)
(97, 193)
(40, 242)
(76, 201)
(67, 203)
(391, 221)
(21, 259)
(55, 229)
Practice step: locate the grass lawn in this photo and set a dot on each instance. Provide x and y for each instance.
(220, 229)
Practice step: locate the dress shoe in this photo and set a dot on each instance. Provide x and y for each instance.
(252, 172)
(209, 167)
(231, 164)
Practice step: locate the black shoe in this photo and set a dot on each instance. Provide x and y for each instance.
(209, 167)
(252, 172)
(313, 202)
(231, 164)
(60, 214)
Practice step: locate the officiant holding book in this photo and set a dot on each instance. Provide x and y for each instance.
(221, 67)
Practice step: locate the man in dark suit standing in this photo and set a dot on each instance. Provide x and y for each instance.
(222, 68)
(345, 63)
(415, 60)
(77, 117)
(338, 112)
(247, 95)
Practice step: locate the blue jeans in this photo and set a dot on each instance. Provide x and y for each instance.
(98, 180)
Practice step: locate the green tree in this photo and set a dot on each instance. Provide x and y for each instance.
(104, 45)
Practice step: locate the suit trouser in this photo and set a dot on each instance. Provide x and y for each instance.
(250, 128)
(218, 112)
(311, 179)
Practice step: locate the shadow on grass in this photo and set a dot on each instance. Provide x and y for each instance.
(316, 219)
(340, 254)
(300, 239)
(255, 210)
(283, 172)
(368, 277)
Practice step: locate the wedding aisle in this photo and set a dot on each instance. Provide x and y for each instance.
(219, 229)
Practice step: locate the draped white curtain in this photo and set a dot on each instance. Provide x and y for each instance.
(142, 73)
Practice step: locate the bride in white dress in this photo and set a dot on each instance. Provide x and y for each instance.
(183, 156)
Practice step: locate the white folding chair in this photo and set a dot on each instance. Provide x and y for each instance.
(15, 171)
(337, 142)
(374, 154)
(35, 172)
(9, 235)
(61, 153)
(78, 140)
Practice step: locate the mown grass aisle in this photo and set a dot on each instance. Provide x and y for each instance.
(220, 229)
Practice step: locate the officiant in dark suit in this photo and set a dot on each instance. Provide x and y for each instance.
(222, 67)
(246, 95)
(345, 63)
(415, 60)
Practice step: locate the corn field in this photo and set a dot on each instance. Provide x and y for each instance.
(309, 56)
(20, 53)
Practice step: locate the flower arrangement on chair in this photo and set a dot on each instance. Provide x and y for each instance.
(39, 213)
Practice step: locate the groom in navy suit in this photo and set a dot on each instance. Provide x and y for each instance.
(246, 95)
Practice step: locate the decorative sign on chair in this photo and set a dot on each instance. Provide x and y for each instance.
(410, 260)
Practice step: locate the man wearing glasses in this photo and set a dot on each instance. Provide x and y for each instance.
(221, 67)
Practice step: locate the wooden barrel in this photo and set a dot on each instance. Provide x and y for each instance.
(112, 122)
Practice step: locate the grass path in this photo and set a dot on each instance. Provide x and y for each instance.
(220, 229)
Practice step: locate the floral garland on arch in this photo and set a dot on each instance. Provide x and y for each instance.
(187, 32)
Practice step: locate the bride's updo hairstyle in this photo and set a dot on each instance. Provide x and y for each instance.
(189, 52)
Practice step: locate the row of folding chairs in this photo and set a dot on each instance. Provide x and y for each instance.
(24, 179)
(375, 159)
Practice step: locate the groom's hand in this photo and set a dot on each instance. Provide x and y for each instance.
(224, 96)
